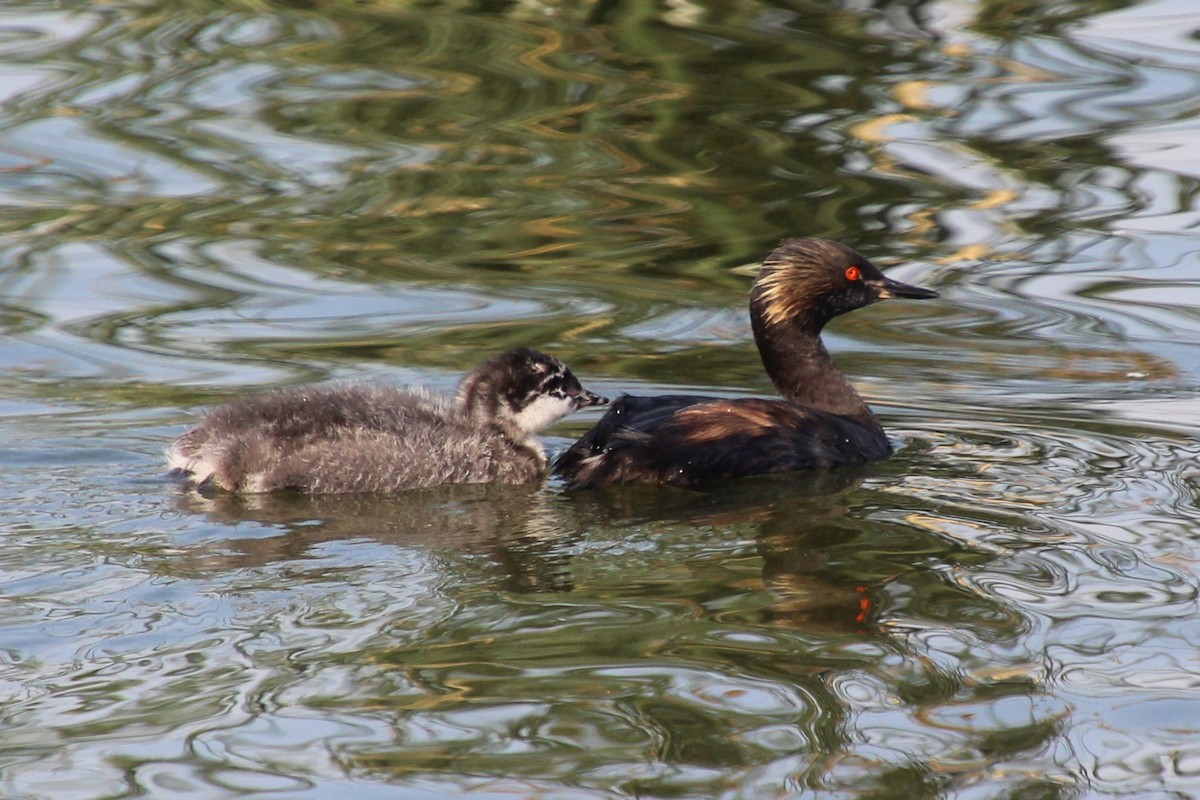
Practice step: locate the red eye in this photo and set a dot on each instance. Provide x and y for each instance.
(853, 273)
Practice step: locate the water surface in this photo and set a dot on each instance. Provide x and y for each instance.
(206, 198)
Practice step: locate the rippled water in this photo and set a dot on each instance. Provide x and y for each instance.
(202, 198)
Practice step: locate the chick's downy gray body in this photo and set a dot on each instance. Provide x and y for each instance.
(365, 438)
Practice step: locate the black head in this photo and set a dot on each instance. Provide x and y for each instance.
(810, 281)
(525, 388)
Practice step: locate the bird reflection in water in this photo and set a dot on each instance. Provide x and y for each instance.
(532, 532)
(794, 520)
(512, 524)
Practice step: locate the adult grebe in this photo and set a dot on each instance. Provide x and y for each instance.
(822, 421)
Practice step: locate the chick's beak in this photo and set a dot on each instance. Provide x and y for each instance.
(585, 399)
(887, 289)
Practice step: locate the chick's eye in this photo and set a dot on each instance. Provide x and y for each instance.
(853, 273)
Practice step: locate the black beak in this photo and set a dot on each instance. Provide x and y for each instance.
(585, 399)
(887, 289)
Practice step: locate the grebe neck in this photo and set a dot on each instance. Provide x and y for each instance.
(804, 373)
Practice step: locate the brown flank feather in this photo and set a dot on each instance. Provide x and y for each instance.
(711, 422)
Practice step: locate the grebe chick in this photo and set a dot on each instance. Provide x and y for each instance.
(821, 421)
(361, 438)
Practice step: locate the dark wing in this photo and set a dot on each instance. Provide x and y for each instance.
(628, 417)
(683, 440)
